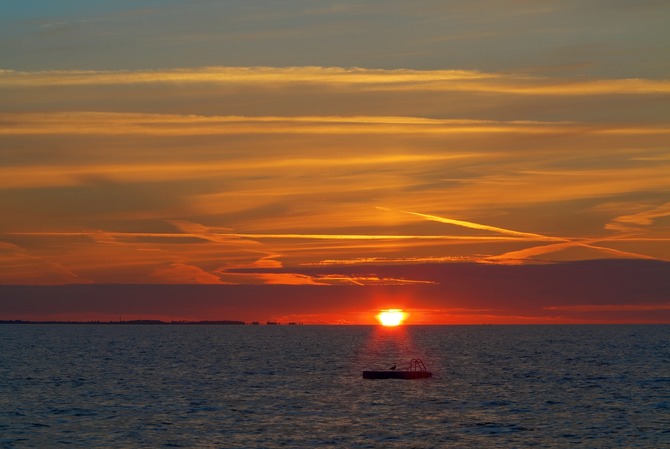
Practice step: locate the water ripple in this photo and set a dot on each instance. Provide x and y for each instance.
(301, 386)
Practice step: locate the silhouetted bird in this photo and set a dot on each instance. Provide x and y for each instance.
(393, 367)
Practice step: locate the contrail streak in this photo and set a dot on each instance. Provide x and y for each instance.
(562, 244)
(482, 227)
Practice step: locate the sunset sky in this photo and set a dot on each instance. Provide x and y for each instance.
(314, 161)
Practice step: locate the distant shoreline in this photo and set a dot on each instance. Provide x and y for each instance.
(147, 322)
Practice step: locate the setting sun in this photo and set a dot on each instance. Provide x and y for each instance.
(391, 317)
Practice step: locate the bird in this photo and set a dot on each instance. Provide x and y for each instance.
(393, 367)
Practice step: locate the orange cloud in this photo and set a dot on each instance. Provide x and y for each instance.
(95, 183)
(645, 217)
(181, 273)
(390, 260)
(530, 253)
(369, 280)
(110, 124)
(611, 307)
(286, 279)
(18, 266)
(237, 75)
(387, 80)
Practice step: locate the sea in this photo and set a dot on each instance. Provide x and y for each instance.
(226, 386)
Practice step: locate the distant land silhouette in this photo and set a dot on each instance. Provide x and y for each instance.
(156, 322)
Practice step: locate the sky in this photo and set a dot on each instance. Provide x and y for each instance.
(500, 161)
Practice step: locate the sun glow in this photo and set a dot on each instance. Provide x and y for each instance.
(391, 317)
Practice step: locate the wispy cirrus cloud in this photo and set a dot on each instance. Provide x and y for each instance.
(113, 123)
(182, 273)
(337, 91)
(611, 307)
(19, 265)
(633, 222)
(390, 260)
(222, 167)
(375, 79)
(238, 75)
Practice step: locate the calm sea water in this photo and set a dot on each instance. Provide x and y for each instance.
(123, 386)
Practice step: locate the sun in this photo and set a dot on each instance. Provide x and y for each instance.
(391, 317)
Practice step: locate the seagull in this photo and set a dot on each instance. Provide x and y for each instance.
(392, 368)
